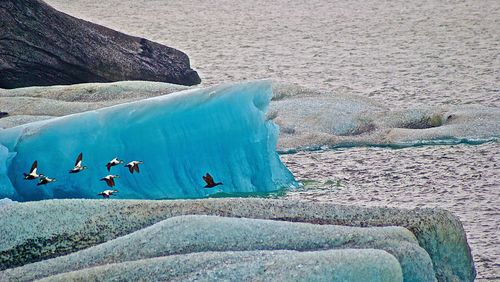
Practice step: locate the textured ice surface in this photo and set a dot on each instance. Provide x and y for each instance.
(311, 120)
(95, 92)
(308, 119)
(6, 201)
(34, 231)
(180, 137)
(332, 265)
(30, 104)
(194, 233)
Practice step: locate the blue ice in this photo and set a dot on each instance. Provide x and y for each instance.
(222, 130)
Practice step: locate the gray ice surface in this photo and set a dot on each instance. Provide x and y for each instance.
(39, 230)
(195, 233)
(331, 265)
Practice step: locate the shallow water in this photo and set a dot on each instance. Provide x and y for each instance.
(402, 54)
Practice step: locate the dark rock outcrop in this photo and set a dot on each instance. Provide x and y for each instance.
(42, 46)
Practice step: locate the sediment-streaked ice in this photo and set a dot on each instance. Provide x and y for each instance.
(308, 119)
(29, 104)
(40, 230)
(198, 234)
(179, 137)
(332, 265)
(312, 120)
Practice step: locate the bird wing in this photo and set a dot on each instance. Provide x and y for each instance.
(108, 165)
(34, 167)
(79, 160)
(131, 168)
(109, 181)
(208, 179)
(136, 167)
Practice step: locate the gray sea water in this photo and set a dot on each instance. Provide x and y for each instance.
(402, 54)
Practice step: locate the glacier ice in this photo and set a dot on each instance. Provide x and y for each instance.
(200, 234)
(312, 120)
(222, 130)
(34, 231)
(366, 265)
(308, 118)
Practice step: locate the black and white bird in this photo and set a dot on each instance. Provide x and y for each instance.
(78, 165)
(134, 166)
(210, 181)
(110, 179)
(33, 174)
(45, 180)
(113, 162)
(107, 193)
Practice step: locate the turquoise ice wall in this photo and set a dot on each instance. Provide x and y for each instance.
(222, 130)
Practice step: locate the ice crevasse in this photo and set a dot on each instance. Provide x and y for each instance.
(180, 137)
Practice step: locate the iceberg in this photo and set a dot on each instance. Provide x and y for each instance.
(308, 118)
(366, 265)
(204, 234)
(41, 230)
(180, 137)
(312, 120)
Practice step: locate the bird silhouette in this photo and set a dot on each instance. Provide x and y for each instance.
(45, 180)
(113, 162)
(134, 166)
(106, 193)
(32, 175)
(110, 179)
(78, 165)
(210, 181)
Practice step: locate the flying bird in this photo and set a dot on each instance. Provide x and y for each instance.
(113, 162)
(78, 165)
(32, 175)
(45, 180)
(110, 179)
(133, 165)
(107, 193)
(210, 181)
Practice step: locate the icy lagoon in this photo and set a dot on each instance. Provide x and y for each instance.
(399, 54)
(228, 130)
(244, 110)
